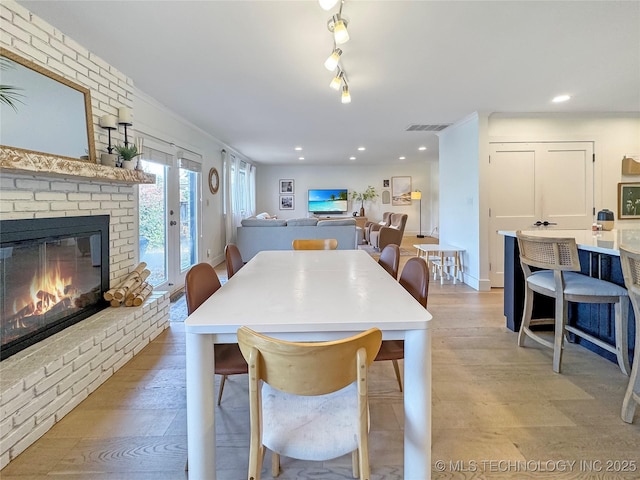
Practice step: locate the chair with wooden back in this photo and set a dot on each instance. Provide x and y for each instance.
(309, 400)
(390, 259)
(200, 283)
(551, 268)
(315, 244)
(631, 271)
(233, 259)
(415, 279)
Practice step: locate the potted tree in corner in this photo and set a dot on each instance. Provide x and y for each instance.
(369, 194)
(127, 153)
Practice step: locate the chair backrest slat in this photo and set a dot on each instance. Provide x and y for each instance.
(315, 244)
(307, 368)
(548, 252)
(200, 283)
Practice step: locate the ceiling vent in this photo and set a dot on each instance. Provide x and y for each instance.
(426, 128)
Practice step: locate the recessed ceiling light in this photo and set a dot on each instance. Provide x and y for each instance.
(401, 158)
(297, 149)
(352, 158)
(362, 149)
(561, 98)
(422, 148)
(300, 158)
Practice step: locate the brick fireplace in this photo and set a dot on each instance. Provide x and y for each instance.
(42, 383)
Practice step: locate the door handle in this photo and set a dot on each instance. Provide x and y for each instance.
(545, 223)
(173, 222)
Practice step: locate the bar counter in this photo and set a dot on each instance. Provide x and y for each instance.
(599, 253)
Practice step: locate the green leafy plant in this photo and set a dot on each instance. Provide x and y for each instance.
(9, 95)
(369, 194)
(127, 152)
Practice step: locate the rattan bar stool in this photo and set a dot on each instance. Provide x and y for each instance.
(559, 278)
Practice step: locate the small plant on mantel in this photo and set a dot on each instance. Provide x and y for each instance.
(369, 194)
(127, 153)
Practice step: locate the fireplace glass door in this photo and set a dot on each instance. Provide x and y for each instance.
(52, 277)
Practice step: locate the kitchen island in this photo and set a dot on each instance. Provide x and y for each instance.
(599, 254)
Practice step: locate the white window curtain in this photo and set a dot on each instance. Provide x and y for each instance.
(239, 185)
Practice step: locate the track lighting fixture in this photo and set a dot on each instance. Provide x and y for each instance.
(332, 61)
(346, 96)
(327, 4)
(338, 27)
(337, 80)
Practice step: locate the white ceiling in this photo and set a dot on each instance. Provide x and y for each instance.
(251, 72)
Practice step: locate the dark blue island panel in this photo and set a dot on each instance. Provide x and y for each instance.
(595, 319)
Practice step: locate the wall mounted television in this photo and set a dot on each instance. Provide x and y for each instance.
(328, 200)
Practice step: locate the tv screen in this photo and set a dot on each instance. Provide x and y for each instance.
(328, 201)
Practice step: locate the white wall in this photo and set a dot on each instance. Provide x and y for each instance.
(354, 178)
(460, 194)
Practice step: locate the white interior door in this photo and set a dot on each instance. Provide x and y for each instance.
(537, 182)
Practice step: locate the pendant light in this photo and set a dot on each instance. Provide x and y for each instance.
(337, 80)
(346, 96)
(332, 61)
(338, 26)
(327, 4)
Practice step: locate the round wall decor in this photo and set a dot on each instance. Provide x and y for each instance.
(214, 181)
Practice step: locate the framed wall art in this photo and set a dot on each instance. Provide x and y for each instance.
(286, 202)
(628, 200)
(400, 191)
(286, 186)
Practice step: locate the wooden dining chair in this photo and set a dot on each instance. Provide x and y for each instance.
(415, 279)
(630, 261)
(315, 244)
(551, 268)
(233, 259)
(200, 283)
(390, 259)
(309, 401)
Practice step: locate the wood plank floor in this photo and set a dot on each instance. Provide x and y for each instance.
(499, 411)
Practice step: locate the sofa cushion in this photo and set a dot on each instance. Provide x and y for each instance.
(302, 222)
(336, 223)
(258, 222)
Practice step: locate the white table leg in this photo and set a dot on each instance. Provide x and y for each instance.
(201, 432)
(417, 405)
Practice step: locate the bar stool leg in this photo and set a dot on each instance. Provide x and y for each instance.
(561, 321)
(621, 314)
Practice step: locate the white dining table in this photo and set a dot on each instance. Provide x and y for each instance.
(309, 296)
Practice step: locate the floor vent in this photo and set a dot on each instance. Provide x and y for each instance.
(426, 128)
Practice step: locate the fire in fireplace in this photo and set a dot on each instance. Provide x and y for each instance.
(54, 273)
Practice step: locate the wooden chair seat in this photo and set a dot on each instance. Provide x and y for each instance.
(315, 244)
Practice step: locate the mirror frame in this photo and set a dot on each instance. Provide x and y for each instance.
(88, 112)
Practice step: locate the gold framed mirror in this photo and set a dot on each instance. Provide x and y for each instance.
(48, 113)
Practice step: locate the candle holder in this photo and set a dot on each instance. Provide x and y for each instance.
(108, 122)
(125, 119)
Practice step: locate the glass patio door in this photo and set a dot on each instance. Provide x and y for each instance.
(169, 218)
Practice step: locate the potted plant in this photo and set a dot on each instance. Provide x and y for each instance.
(369, 194)
(127, 153)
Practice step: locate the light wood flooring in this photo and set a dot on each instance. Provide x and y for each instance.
(499, 411)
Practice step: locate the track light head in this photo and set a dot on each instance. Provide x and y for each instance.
(332, 61)
(327, 4)
(338, 26)
(337, 80)
(346, 96)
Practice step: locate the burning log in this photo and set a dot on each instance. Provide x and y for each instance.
(85, 299)
(135, 273)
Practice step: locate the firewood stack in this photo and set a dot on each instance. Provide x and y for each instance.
(133, 291)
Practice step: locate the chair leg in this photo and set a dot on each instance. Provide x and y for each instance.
(397, 370)
(354, 463)
(222, 380)
(621, 326)
(561, 321)
(632, 395)
(275, 464)
(527, 311)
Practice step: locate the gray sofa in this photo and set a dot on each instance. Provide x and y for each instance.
(257, 234)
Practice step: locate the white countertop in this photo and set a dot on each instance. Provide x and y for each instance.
(608, 242)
